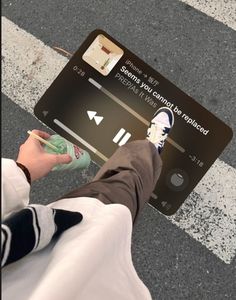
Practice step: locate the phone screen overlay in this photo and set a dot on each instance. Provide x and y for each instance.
(106, 96)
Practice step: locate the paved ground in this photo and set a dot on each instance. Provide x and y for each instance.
(195, 52)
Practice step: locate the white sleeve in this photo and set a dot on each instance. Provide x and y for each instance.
(15, 188)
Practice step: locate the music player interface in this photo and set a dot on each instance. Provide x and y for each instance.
(106, 96)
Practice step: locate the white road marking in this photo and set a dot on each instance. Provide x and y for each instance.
(221, 10)
(208, 215)
(29, 67)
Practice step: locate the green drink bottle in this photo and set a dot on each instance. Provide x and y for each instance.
(80, 158)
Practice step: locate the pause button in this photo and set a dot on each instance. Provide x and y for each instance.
(122, 137)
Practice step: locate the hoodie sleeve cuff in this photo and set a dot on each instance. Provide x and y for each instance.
(25, 170)
(15, 187)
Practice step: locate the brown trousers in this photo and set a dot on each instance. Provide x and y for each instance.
(128, 177)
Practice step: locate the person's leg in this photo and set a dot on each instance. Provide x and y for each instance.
(128, 177)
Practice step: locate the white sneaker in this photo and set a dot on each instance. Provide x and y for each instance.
(160, 125)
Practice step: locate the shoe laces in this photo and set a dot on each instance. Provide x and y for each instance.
(158, 134)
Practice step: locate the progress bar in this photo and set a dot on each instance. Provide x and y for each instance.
(131, 111)
(80, 139)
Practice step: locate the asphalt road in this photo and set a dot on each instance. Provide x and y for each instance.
(195, 52)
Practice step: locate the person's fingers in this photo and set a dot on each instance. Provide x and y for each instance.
(36, 142)
(42, 134)
(61, 158)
